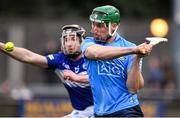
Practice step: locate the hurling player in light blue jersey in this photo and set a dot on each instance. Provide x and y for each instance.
(68, 65)
(113, 65)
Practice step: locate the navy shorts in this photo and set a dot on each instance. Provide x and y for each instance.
(129, 112)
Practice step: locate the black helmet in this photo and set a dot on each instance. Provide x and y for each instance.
(72, 30)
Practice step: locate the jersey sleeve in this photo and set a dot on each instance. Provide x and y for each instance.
(86, 43)
(53, 60)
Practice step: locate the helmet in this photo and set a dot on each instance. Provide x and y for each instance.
(68, 32)
(105, 14)
(74, 29)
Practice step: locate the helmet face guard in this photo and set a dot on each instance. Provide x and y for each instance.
(71, 39)
(107, 15)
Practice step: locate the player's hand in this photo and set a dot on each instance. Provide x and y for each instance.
(144, 49)
(70, 75)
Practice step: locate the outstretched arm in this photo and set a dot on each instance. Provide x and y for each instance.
(68, 74)
(108, 52)
(26, 56)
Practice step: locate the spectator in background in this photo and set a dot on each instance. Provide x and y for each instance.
(5, 88)
(168, 69)
(161, 77)
(169, 85)
(155, 75)
(21, 92)
(169, 90)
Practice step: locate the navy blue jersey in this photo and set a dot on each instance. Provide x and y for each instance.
(80, 93)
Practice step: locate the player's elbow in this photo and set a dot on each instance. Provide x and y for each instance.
(135, 88)
(92, 54)
(133, 91)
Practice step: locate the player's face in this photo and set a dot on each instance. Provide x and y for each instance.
(71, 43)
(99, 30)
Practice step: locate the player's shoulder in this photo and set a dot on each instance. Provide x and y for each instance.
(56, 56)
(89, 39)
(130, 44)
(60, 53)
(126, 42)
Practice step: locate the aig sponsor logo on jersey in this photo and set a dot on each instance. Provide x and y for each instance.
(110, 69)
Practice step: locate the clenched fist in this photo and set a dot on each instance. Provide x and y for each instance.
(144, 49)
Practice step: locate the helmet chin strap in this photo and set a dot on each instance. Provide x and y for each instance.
(109, 29)
(109, 33)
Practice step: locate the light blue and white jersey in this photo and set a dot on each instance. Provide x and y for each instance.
(80, 94)
(108, 79)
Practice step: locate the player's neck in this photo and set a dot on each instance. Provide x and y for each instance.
(111, 39)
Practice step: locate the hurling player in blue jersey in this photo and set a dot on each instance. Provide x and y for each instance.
(113, 65)
(68, 64)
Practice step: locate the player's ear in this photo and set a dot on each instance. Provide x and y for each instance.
(114, 25)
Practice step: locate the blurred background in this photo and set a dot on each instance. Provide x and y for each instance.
(36, 25)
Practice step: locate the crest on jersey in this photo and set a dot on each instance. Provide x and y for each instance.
(76, 69)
